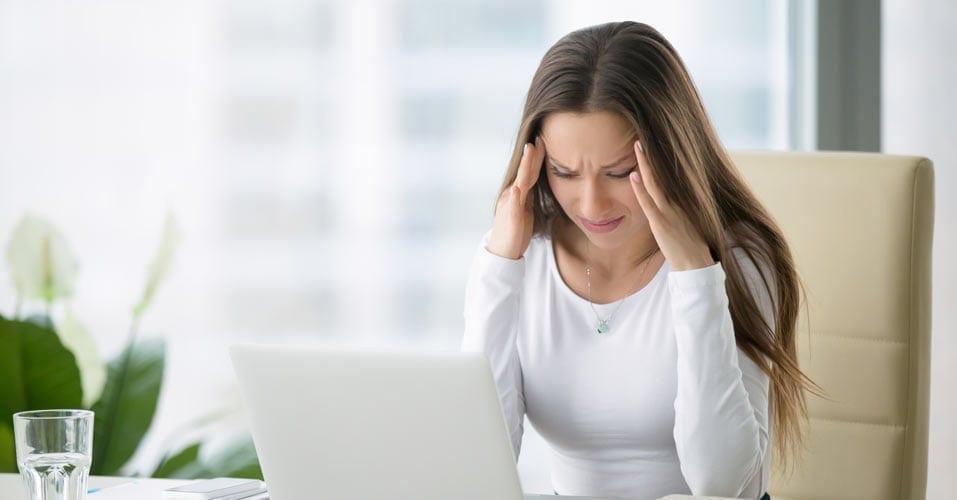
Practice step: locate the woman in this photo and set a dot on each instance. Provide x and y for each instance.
(634, 298)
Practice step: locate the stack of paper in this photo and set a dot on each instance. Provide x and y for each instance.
(168, 489)
(223, 488)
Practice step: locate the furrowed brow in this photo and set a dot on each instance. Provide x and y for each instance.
(614, 164)
(618, 162)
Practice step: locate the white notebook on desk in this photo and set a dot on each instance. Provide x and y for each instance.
(157, 489)
(140, 489)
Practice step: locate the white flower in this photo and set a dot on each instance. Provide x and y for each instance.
(162, 263)
(41, 264)
(78, 340)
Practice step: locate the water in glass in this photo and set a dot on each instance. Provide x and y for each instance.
(54, 452)
(56, 475)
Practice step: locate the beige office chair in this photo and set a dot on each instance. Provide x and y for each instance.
(860, 227)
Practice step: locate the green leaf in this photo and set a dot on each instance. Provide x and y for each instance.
(36, 372)
(237, 460)
(8, 461)
(126, 408)
(179, 464)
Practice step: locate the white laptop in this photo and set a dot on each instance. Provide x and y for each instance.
(376, 425)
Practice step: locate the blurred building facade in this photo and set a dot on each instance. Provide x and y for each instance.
(333, 163)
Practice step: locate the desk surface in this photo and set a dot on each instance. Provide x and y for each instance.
(11, 487)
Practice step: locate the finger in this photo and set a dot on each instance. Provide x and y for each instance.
(523, 166)
(530, 166)
(516, 201)
(507, 198)
(647, 177)
(538, 158)
(647, 203)
(503, 199)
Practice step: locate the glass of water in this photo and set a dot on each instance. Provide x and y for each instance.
(54, 452)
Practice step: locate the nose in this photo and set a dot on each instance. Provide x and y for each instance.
(595, 201)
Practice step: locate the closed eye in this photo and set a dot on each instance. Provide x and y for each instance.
(560, 174)
(623, 175)
(615, 175)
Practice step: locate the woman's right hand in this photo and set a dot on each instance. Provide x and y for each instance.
(514, 220)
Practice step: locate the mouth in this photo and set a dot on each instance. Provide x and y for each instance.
(602, 226)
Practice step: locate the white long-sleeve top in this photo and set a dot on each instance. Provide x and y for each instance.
(662, 403)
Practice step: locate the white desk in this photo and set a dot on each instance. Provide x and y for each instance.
(11, 487)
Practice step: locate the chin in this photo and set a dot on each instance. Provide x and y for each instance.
(607, 241)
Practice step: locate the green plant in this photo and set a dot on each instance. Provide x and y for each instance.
(48, 362)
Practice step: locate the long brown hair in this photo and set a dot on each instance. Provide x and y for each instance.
(631, 69)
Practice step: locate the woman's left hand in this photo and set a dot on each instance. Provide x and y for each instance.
(682, 246)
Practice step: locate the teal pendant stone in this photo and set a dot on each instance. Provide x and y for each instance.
(602, 327)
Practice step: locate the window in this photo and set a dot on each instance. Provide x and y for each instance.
(334, 163)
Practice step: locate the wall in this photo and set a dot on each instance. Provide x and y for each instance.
(918, 71)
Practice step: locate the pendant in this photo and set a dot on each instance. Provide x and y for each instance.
(602, 326)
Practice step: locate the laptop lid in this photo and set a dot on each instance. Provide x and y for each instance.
(363, 424)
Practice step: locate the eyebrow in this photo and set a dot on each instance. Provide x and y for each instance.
(606, 167)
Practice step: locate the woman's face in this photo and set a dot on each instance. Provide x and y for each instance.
(587, 159)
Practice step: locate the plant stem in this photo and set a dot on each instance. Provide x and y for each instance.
(104, 441)
(134, 328)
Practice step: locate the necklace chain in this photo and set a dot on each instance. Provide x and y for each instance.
(603, 324)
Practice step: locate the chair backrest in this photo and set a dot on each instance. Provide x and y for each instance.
(860, 227)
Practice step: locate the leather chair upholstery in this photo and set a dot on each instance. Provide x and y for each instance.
(860, 227)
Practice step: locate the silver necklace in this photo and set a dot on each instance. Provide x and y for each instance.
(603, 324)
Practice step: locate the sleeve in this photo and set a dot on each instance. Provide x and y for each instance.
(721, 407)
(492, 299)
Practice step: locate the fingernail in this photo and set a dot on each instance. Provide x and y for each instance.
(635, 177)
(640, 147)
(525, 149)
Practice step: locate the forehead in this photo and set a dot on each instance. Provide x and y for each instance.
(598, 136)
